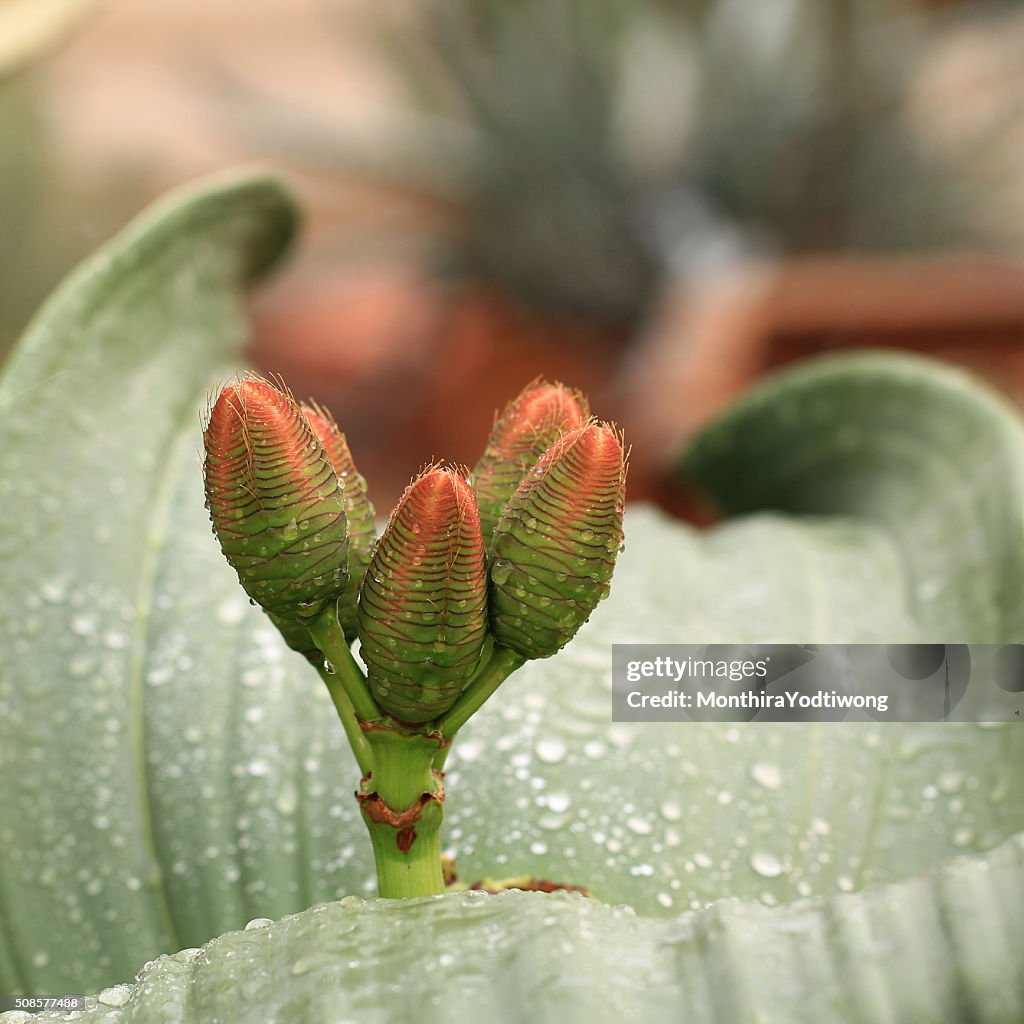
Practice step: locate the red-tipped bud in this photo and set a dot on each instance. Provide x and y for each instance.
(276, 505)
(555, 547)
(358, 510)
(423, 606)
(521, 434)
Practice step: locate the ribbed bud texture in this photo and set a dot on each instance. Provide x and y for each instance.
(555, 546)
(276, 505)
(423, 605)
(522, 433)
(358, 511)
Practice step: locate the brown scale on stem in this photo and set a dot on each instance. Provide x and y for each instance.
(403, 822)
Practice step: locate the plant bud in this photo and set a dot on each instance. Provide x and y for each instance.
(423, 605)
(276, 505)
(555, 546)
(521, 434)
(358, 511)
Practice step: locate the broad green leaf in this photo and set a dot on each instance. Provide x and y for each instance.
(98, 422)
(168, 770)
(903, 952)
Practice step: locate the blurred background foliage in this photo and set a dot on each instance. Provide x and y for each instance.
(499, 189)
(49, 216)
(21, 168)
(582, 147)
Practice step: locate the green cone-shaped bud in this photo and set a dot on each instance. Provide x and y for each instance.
(522, 433)
(423, 606)
(358, 511)
(276, 504)
(554, 548)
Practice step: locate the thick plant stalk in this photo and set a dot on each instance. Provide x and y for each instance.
(402, 802)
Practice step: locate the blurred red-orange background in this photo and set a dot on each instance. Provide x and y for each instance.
(493, 192)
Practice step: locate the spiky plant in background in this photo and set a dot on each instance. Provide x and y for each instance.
(613, 138)
(20, 173)
(50, 215)
(26, 33)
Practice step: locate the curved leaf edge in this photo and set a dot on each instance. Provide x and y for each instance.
(252, 198)
(919, 448)
(239, 223)
(708, 456)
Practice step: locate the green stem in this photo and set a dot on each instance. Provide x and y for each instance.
(347, 714)
(405, 875)
(401, 795)
(327, 634)
(502, 664)
(402, 801)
